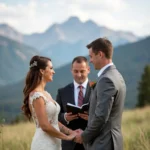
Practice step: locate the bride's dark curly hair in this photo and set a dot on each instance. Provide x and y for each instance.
(32, 80)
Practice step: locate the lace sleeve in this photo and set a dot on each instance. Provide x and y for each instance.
(35, 96)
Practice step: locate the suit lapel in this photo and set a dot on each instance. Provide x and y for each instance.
(71, 94)
(87, 94)
(109, 68)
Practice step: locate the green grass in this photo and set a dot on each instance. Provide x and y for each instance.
(135, 128)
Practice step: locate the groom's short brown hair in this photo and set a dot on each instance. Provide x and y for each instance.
(102, 44)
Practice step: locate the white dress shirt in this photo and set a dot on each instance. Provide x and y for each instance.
(76, 90)
(104, 68)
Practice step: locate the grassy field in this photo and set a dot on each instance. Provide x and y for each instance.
(136, 132)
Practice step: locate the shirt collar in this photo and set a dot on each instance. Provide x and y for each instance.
(102, 69)
(84, 84)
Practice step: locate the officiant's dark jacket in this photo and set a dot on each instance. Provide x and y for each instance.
(66, 95)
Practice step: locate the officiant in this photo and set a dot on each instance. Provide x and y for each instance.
(76, 93)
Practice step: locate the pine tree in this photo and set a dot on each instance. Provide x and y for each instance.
(144, 88)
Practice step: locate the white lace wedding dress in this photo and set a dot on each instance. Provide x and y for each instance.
(42, 140)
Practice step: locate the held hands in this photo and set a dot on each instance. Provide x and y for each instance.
(75, 136)
(78, 138)
(71, 136)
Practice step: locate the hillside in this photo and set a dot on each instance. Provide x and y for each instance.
(131, 59)
(14, 60)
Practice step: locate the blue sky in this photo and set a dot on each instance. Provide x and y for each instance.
(28, 16)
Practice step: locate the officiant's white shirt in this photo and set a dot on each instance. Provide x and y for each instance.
(104, 68)
(76, 90)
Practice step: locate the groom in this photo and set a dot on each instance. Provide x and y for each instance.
(103, 131)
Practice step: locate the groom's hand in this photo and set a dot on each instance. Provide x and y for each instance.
(78, 138)
(69, 117)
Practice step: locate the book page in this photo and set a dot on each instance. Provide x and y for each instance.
(69, 104)
(84, 104)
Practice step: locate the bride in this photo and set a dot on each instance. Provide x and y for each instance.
(39, 105)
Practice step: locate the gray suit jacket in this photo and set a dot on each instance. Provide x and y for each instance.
(103, 131)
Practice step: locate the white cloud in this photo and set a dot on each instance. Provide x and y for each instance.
(17, 11)
(38, 15)
(106, 5)
(22, 17)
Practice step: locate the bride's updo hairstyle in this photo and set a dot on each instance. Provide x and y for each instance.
(32, 80)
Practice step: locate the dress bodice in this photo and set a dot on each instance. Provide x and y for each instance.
(52, 108)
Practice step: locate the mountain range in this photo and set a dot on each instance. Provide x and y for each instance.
(10, 32)
(71, 31)
(58, 41)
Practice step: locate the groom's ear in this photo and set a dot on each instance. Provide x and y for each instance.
(102, 54)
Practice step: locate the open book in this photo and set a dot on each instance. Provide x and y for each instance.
(76, 109)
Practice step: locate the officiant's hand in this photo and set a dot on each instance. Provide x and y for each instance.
(84, 116)
(69, 117)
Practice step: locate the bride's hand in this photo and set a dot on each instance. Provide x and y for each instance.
(71, 136)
